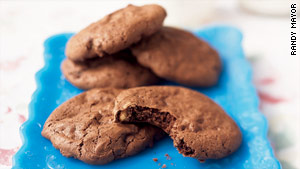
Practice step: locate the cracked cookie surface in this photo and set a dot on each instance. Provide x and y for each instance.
(83, 128)
(116, 31)
(179, 56)
(198, 126)
(117, 71)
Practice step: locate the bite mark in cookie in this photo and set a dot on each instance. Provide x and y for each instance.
(198, 126)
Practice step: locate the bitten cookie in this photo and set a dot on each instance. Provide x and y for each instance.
(118, 71)
(116, 31)
(198, 126)
(83, 128)
(179, 56)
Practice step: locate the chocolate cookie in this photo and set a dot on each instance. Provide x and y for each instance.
(198, 126)
(179, 56)
(116, 31)
(118, 71)
(83, 128)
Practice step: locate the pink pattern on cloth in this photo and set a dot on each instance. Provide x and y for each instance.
(12, 65)
(266, 81)
(265, 97)
(8, 110)
(6, 156)
(22, 118)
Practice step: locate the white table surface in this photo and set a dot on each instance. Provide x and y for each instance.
(24, 25)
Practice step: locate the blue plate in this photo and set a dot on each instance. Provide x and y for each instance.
(234, 92)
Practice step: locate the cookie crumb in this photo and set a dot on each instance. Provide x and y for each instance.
(159, 163)
(155, 159)
(172, 164)
(164, 166)
(168, 157)
(123, 116)
(202, 161)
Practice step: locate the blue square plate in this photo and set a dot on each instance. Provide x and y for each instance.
(234, 92)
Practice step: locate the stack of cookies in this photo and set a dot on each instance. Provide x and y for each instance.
(131, 48)
(116, 118)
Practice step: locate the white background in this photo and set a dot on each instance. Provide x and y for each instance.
(26, 24)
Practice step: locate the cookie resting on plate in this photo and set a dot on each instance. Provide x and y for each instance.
(198, 126)
(83, 128)
(180, 56)
(116, 31)
(119, 70)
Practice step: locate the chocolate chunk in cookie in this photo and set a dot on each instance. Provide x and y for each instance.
(118, 71)
(116, 31)
(198, 126)
(83, 128)
(179, 56)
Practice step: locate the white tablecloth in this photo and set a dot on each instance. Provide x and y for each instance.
(25, 25)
